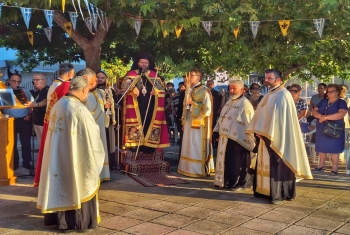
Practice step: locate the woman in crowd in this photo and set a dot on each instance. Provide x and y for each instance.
(254, 97)
(300, 104)
(332, 109)
(344, 91)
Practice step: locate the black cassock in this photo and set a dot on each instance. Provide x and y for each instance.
(282, 179)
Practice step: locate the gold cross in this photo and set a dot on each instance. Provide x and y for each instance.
(223, 117)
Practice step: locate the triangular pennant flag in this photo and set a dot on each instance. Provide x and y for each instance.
(27, 13)
(74, 6)
(48, 33)
(207, 26)
(94, 21)
(319, 24)
(254, 25)
(178, 30)
(98, 11)
(73, 18)
(137, 26)
(50, 3)
(31, 37)
(68, 27)
(88, 22)
(236, 31)
(284, 25)
(49, 17)
(165, 33)
(63, 5)
(0, 9)
(162, 22)
(87, 6)
(81, 12)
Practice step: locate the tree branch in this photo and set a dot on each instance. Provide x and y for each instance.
(293, 69)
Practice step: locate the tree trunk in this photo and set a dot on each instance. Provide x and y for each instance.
(90, 47)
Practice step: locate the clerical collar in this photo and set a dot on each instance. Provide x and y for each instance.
(272, 89)
(195, 86)
(60, 79)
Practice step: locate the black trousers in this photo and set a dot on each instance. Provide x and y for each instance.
(83, 218)
(282, 178)
(179, 129)
(24, 129)
(111, 156)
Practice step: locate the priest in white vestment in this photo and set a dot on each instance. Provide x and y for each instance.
(196, 158)
(95, 104)
(73, 159)
(281, 154)
(234, 145)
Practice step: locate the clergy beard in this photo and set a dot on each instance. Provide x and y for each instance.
(234, 96)
(143, 70)
(101, 85)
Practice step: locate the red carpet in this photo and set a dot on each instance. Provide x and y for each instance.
(149, 169)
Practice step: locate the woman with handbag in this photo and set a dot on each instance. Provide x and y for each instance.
(330, 134)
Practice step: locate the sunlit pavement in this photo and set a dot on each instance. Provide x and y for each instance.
(322, 206)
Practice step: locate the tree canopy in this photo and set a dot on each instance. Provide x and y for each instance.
(302, 49)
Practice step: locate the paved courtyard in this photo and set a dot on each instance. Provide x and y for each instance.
(322, 206)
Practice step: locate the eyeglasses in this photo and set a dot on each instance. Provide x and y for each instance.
(294, 91)
(331, 92)
(36, 80)
(14, 81)
(255, 88)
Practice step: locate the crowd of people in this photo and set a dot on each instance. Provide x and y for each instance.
(258, 138)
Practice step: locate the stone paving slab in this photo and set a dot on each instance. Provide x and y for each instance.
(322, 206)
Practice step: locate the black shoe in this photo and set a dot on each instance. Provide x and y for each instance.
(323, 168)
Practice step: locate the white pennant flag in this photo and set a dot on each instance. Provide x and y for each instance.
(95, 21)
(137, 26)
(49, 17)
(319, 24)
(88, 22)
(254, 25)
(27, 13)
(98, 11)
(81, 12)
(87, 6)
(73, 18)
(48, 33)
(207, 26)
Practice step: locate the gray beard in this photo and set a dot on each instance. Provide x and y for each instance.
(233, 96)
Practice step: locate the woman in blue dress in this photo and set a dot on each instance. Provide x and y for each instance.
(337, 109)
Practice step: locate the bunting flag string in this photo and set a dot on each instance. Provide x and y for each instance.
(68, 27)
(236, 31)
(254, 25)
(319, 24)
(88, 22)
(63, 5)
(178, 30)
(26, 13)
(81, 12)
(87, 6)
(137, 26)
(284, 25)
(31, 37)
(73, 18)
(74, 6)
(49, 17)
(48, 33)
(207, 25)
(93, 16)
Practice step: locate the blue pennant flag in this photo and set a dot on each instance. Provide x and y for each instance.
(0, 8)
(27, 13)
(319, 24)
(93, 16)
(73, 18)
(254, 25)
(98, 11)
(87, 6)
(88, 23)
(49, 17)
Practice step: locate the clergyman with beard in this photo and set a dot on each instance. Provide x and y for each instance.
(281, 154)
(96, 105)
(234, 145)
(145, 123)
(73, 159)
(109, 97)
